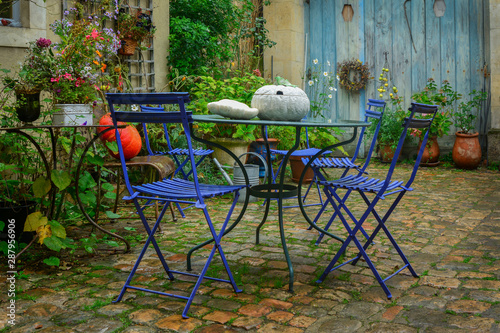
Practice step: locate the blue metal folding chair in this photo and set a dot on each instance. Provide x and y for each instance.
(382, 188)
(175, 153)
(375, 111)
(167, 191)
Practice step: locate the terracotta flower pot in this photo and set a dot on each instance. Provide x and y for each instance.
(297, 169)
(386, 153)
(430, 156)
(466, 151)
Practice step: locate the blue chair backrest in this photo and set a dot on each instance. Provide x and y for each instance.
(370, 114)
(144, 126)
(416, 109)
(179, 117)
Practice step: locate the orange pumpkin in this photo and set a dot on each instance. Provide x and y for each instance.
(130, 138)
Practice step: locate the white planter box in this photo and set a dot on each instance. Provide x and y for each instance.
(73, 114)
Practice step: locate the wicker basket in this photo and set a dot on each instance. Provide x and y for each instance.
(128, 47)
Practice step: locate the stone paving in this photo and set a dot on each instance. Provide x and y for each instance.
(449, 228)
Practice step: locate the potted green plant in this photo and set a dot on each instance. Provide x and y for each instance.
(445, 97)
(389, 133)
(134, 29)
(239, 87)
(31, 79)
(466, 150)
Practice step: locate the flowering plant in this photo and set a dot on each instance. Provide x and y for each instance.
(135, 26)
(80, 59)
(321, 85)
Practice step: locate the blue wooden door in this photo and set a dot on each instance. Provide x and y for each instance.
(451, 47)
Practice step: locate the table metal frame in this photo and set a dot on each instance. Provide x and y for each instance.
(278, 190)
(51, 214)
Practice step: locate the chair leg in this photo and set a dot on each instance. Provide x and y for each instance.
(150, 239)
(362, 248)
(381, 225)
(217, 239)
(341, 204)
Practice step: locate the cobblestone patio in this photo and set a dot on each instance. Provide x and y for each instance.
(449, 228)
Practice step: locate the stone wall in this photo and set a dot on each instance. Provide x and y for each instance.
(494, 133)
(14, 41)
(285, 22)
(37, 15)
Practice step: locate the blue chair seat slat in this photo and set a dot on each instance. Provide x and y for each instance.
(196, 152)
(301, 152)
(330, 162)
(179, 188)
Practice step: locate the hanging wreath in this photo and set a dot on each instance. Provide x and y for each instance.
(353, 74)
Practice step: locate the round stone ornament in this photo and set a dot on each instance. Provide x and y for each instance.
(278, 102)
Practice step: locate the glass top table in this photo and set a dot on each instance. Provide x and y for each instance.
(278, 190)
(260, 122)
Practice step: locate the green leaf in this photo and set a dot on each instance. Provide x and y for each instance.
(89, 249)
(88, 198)
(130, 228)
(2, 225)
(112, 215)
(111, 243)
(96, 159)
(86, 181)
(61, 179)
(41, 187)
(108, 187)
(68, 243)
(54, 243)
(110, 195)
(57, 229)
(35, 220)
(113, 146)
(4, 247)
(52, 261)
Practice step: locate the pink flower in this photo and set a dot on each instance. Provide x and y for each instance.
(54, 79)
(94, 34)
(257, 72)
(43, 42)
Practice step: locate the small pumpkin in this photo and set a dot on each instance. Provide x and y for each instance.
(279, 102)
(130, 138)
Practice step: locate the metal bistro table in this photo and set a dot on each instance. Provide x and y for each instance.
(279, 190)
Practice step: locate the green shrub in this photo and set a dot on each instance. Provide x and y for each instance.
(239, 88)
